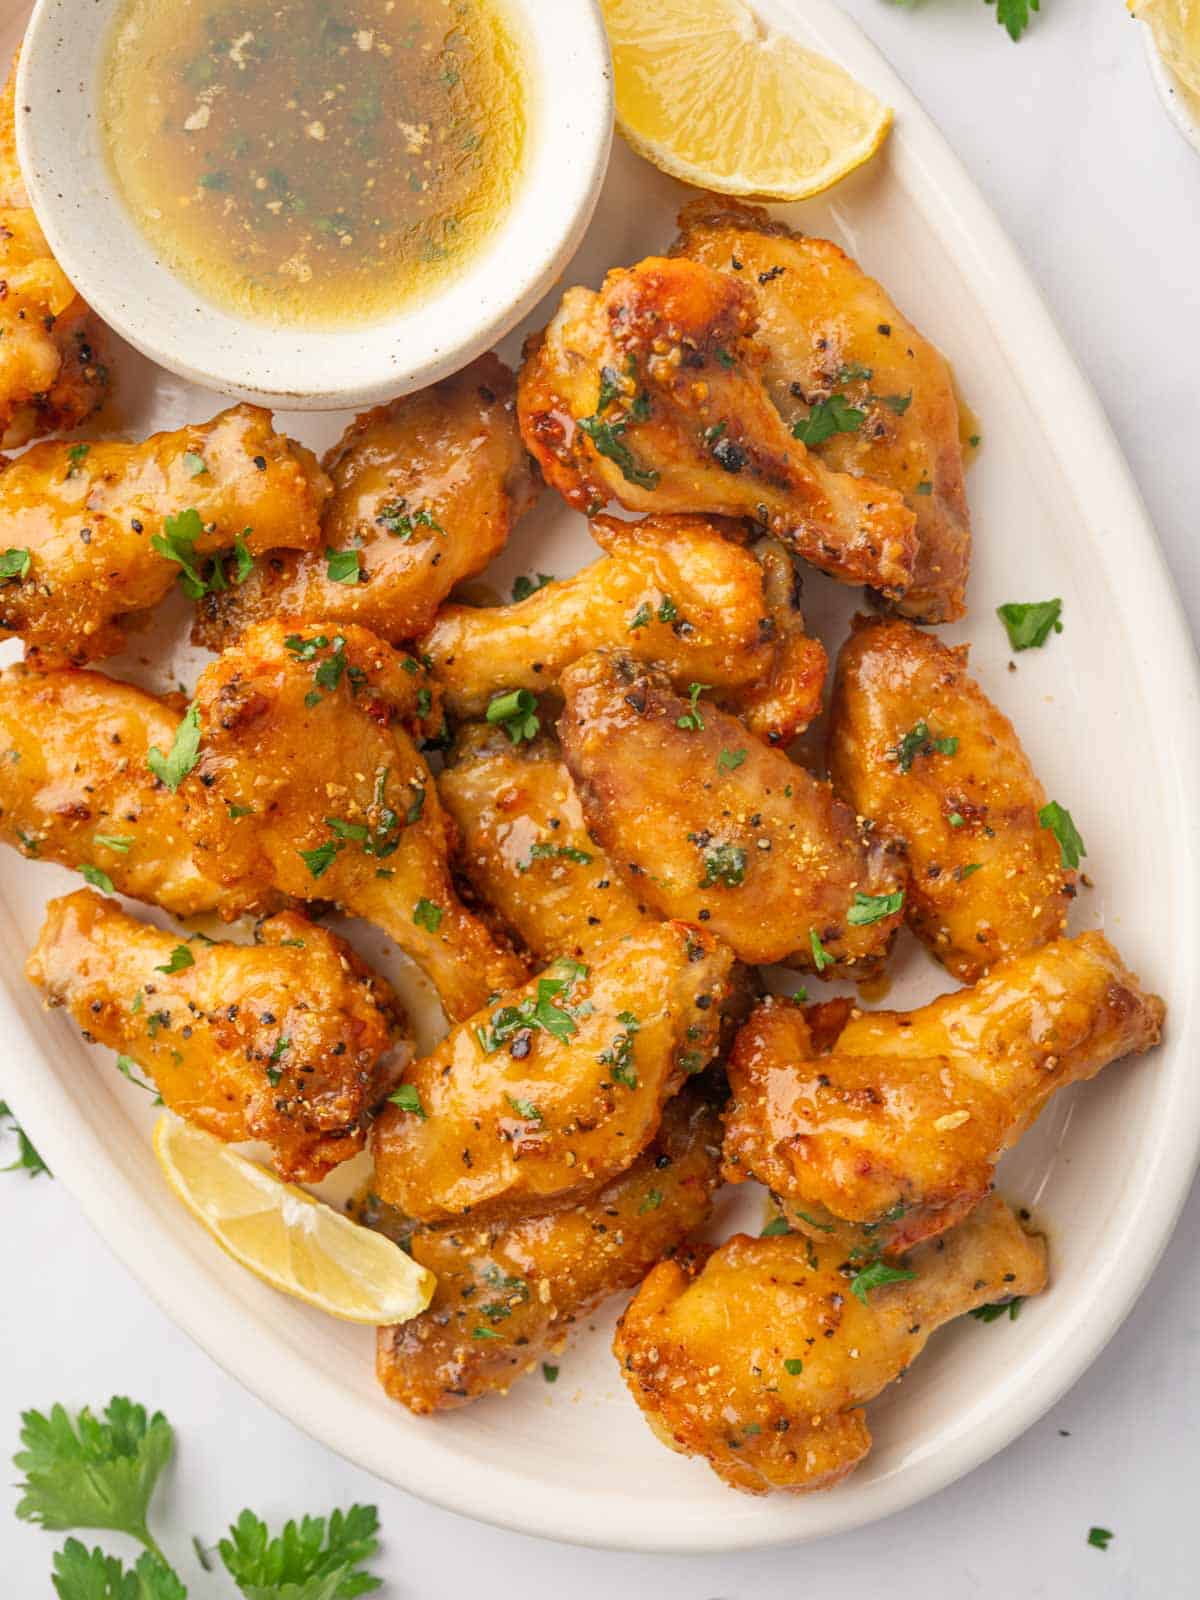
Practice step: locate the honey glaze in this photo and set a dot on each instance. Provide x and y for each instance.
(321, 162)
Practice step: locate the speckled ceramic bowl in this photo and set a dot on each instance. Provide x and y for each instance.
(118, 271)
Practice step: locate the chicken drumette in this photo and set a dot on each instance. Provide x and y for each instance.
(679, 591)
(869, 393)
(426, 490)
(94, 531)
(759, 1356)
(290, 1040)
(711, 825)
(650, 393)
(896, 1131)
(307, 783)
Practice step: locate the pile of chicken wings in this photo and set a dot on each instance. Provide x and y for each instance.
(578, 815)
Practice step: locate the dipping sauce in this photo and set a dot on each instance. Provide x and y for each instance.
(315, 161)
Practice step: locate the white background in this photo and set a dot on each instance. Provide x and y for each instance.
(1065, 137)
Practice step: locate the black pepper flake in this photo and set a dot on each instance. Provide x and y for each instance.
(261, 463)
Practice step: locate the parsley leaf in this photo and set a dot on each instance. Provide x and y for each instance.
(692, 720)
(76, 456)
(177, 542)
(918, 741)
(525, 1108)
(1061, 824)
(524, 586)
(97, 878)
(127, 1067)
(1013, 15)
(724, 865)
(549, 1372)
(827, 417)
(516, 713)
(408, 1098)
(775, 1228)
(899, 403)
(542, 1012)
(794, 1366)
(427, 914)
(28, 1159)
(14, 563)
(397, 520)
(314, 1559)
(730, 760)
(561, 852)
(342, 566)
(120, 842)
(93, 1473)
(193, 464)
(874, 1275)
(1009, 1308)
(1030, 623)
(172, 769)
(821, 956)
(180, 958)
(608, 441)
(83, 1574)
(1099, 1538)
(869, 908)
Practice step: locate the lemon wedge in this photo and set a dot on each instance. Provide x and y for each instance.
(287, 1238)
(713, 96)
(1176, 28)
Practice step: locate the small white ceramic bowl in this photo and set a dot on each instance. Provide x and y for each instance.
(116, 269)
(1180, 104)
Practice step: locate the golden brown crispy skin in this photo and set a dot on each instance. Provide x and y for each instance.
(291, 1040)
(900, 1128)
(713, 826)
(760, 1357)
(308, 784)
(524, 846)
(75, 787)
(987, 880)
(88, 521)
(514, 1115)
(52, 377)
(429, 486)
(679, 591)
(526, 1283)
(650, 393)
(829, 329)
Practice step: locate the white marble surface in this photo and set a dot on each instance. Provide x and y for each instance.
(1065, 137)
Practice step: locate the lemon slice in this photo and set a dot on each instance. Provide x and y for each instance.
(1176, 28)
(711, 95)
(287, 1238)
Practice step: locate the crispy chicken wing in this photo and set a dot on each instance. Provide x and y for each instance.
(898, 1131)
(308, 784)
(524, 846)
(830, 331)
(75, 787)
(680, 591)
(52, 377)
(426, 488)
(713, 826)
(106, 528)
(916, 745)
(291, 1040)
(560, 1085)
(760, 1357)
(526, 1283)
(649, 393)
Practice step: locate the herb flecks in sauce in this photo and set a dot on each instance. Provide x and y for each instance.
(319, 161)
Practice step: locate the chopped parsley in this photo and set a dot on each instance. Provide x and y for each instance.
(194, 465)
(993, 1313)
(793, 1366)
(874, 1275)
(542, 1012)
(821, 956)
(319, 861)
(965, 871)
(775, 1228)
(918, 741)
(408, 1098)
(692, 720)
(1061, 824)
(869, 908)
(127, 1067)
(642, 617)
(396, 519)
(485, 1333)
(524, 1108)
(180, 958)
(516, 712)
(97, 878)
(827, 417)
(524, 586)
(549, 1372)
(724, 865)
(561, 852)
(120, 842)
(342, 566)
(652, 1201)
(853, 372)
(730, 760)
(1030, 623)
(177, 542)
(428, 915)
(899, 403)
(1098, 1538)
(618, 1058)
(76, 456)
(14, 564)
(607, 437)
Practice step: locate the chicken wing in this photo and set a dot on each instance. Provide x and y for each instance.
(426, 489)
(915, 744)
(872, 397)
(898, 1131)
(307, 784)
(105, 529)
(680, 591)
(524, 846)
(525, 1284)
(75, 786)
(760, 1357)
(712, 826)
(291, 1040)
(650, 393)
(52, 376)
(561, 1085)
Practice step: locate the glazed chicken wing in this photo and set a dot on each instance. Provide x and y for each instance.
(527, 1283)
(832, 335)
(712, 826)
(426, 489)
(760, 1357)
(558, 1086)
(308, 784)
(290, 1040)
(649, 393)
(107, 528)
(898, 1131)
(524, 846)
(680, 591)
(52, 377)
(75, 786)
(915, 744)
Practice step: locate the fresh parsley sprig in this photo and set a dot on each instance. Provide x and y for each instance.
(28, 1159)
(316, 1558)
